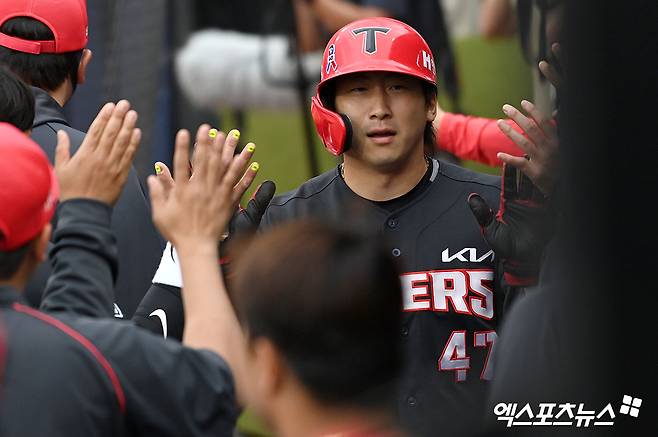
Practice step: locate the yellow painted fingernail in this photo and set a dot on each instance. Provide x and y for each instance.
(236, 134)
(255, 166)
(251, 147)
(212, 133)
(158, 169)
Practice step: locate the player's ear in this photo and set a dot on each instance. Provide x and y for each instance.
(431, 105)
(82, 68)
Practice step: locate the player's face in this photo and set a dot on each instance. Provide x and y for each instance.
(388, 112)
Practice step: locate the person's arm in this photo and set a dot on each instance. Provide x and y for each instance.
(161, 309)
(334, 14)
(497, 18)
(84, 257)
(308, 34)
(474, 138)
(170, 389)
(193, 213)
(84, 261)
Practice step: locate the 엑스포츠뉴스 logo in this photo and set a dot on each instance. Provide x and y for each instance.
(564, 414)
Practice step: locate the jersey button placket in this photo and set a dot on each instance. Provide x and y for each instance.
(392, 223)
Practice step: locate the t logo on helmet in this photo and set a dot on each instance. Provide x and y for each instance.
(370, 43)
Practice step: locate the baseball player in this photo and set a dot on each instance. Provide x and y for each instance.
(374, 106)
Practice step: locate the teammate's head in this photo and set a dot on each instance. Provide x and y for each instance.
(28, 195)
(373, 49)
(16, 101)
(321, 308)
(44, 42)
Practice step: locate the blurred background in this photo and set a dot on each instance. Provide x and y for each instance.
(247, 64)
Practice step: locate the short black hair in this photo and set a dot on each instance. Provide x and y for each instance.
(16, 101)
(10, 261)
(328, 98)
(329, 299)
(46, 70)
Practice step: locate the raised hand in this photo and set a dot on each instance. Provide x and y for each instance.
(553, 70)
(195, 211)
(540, 145)
(101, 165)
(520, 230)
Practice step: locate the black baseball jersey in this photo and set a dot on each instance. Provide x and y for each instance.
(451, 296)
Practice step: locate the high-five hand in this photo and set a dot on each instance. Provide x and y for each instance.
(100, 167)
(194, 212)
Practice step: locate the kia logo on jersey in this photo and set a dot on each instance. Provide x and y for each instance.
(471, 252)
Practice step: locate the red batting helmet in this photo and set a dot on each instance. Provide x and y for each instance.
(371, 44)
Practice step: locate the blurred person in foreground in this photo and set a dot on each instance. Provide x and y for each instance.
(69, 371)
(322, 342)
(569, 342)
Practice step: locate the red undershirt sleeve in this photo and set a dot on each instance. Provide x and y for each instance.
(475, 138)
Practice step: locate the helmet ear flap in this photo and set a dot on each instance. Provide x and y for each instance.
(348, 132)
(334, 129)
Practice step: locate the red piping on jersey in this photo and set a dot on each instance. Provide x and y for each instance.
(118, 390)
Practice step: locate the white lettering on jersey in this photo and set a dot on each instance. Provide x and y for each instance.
(467, 291)
(481, 305)
(415, 297)
(472, 255)
(450, 286)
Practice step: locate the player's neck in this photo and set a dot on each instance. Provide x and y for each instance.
(19, 280)
(62, 94)
(381, 184)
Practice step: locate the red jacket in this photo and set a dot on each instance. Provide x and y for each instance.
(475, 138)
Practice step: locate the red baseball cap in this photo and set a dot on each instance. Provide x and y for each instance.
(67, 19)
(28, 188)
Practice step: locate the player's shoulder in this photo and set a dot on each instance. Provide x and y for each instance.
(464, 176)
(45, 135)
(316, 197)
(309, 190)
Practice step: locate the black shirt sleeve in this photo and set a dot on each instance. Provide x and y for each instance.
(170, 389)
(162, 310)
(84, 261)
